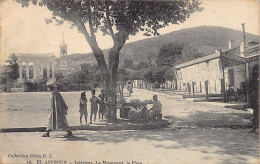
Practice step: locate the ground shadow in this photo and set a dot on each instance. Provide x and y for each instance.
(212, 119)
(214, 132)
(236, 143)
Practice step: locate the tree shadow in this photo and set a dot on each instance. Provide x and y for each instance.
(214, 132)
(77, 138)
(234, 143)
(213, 119)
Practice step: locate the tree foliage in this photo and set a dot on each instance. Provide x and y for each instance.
(131, 16)
(119, 19)
(12, 70)
(157, 74)
(87, 75)
(169, 54)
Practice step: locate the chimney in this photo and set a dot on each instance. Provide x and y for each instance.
(244, 34)
(230, 44)
(243, 45)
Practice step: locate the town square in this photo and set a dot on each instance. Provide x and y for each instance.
(129, 82)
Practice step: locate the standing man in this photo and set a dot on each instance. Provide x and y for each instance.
(94, 105)
(57, 118)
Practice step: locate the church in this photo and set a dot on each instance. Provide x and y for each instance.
(34, 66)
(63, 64)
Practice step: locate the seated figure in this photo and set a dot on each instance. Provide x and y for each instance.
(156, 108)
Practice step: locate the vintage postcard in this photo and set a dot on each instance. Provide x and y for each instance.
(129, 82)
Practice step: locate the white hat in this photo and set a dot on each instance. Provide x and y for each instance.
(52, 84)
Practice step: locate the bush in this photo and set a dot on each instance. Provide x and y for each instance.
(31, 86)
(138, 113)
(135, 115)
(42, 87)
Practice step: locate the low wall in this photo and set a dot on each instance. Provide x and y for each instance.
(17, 89)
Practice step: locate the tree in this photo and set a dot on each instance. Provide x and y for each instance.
(169, 54)
(125, 74)
(169, 73)
(189, 53)
(144, 64)
(3, 77)
(12, 69)
(119, 19)
(148, 75)
(88, 74)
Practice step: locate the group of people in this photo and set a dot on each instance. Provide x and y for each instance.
(94, 106)
(57, 117)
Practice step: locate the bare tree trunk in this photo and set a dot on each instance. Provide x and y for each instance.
(112, 87)
(109, 73)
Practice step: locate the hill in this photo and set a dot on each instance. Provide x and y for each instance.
(206, 39)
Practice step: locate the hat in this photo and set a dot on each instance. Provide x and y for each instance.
(83, 93)
(53, 84)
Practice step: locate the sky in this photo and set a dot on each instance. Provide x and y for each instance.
(24, 30)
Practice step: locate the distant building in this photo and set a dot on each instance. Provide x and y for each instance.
(33, 66)
(218, 71)
(63, 64)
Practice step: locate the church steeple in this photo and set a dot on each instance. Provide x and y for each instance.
(63, 48)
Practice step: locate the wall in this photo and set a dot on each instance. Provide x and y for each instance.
(199, 73)
(239, 76)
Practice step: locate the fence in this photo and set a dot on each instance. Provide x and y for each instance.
(75, 87)
(43, 87)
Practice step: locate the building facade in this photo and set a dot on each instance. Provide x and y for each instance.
(215, 73)
(35, 66)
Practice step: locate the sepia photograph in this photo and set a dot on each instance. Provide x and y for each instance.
(129, 81)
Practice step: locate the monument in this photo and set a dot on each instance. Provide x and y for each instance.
(43, 65)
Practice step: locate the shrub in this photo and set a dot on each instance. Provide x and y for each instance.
(139, 112)
(135, 115)
(31, 86)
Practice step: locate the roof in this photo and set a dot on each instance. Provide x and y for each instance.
(229, 56)
(33, 57)
(199, 60)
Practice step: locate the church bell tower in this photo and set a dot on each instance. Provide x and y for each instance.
(63, 55)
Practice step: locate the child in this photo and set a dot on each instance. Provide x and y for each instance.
(83, 107)
(94, 105)
(102, 105)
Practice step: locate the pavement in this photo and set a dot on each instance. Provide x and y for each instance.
(201, 100)
(166, 146)
(185, 112)
(199, 133)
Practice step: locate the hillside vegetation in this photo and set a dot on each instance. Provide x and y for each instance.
(206, 39)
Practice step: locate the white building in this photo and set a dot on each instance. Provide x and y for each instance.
(213, 74)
